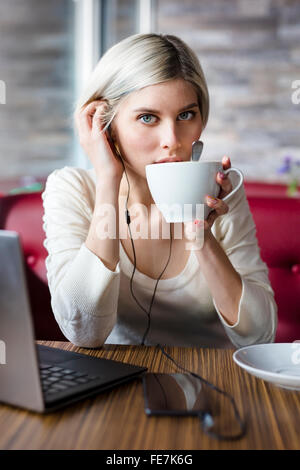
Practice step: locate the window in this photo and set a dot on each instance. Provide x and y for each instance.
(37, 68)
(47, 51)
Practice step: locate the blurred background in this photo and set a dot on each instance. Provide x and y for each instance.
(250, 54)
(249, 51)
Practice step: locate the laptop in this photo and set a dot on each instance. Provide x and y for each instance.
(36, 377)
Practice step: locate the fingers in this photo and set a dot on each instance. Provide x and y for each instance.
(223, 180)
(89, 118)
(219, 208)
(84, 117)
(225, 183)
(190, 230)
(226, 162)
(97, 120)
(218, 205)
(194, 233)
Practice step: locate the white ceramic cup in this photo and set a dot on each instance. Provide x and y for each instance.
(179, 188)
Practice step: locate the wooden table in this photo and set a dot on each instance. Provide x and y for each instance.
(116, 419)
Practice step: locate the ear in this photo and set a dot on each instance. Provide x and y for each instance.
(112, 133)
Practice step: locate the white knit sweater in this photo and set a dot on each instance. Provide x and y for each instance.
(93, 305)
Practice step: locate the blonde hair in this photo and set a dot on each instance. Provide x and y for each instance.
(142, 60)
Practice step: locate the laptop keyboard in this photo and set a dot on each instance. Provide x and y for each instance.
(56, 379)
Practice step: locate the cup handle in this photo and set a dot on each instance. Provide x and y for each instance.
(238, 185)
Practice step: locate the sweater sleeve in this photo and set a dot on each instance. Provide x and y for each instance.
(257, 314)
(84, 292)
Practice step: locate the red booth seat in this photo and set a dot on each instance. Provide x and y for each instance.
(277, 219)
(23, 213)
(278, 231)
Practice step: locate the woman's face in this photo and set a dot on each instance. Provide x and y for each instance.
(157, 122)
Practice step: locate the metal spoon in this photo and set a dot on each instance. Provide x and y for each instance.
(197, 148)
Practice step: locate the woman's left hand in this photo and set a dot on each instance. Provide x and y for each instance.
(217, 204)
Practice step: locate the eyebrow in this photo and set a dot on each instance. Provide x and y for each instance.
(147, 110)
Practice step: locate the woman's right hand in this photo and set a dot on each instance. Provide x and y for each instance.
(95, 143)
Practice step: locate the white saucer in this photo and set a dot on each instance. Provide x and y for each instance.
(278, 363)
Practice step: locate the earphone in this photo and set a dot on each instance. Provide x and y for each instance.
(206, 419)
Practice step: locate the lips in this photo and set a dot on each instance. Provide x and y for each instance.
(169, 160)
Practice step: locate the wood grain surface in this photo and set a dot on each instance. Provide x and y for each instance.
(116, 419)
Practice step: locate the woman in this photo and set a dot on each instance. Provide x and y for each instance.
(147, 101)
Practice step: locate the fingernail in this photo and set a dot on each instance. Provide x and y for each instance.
(212, 200)
(198, 222)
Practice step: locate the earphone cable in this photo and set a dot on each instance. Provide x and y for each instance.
(134, 268)
(242, 424)
(205, 418)
(128, 221)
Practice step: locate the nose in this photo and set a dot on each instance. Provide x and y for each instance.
(170, 140)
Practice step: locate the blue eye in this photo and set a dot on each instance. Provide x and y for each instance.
(186, 115)
(151, 119)
(147, 118)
